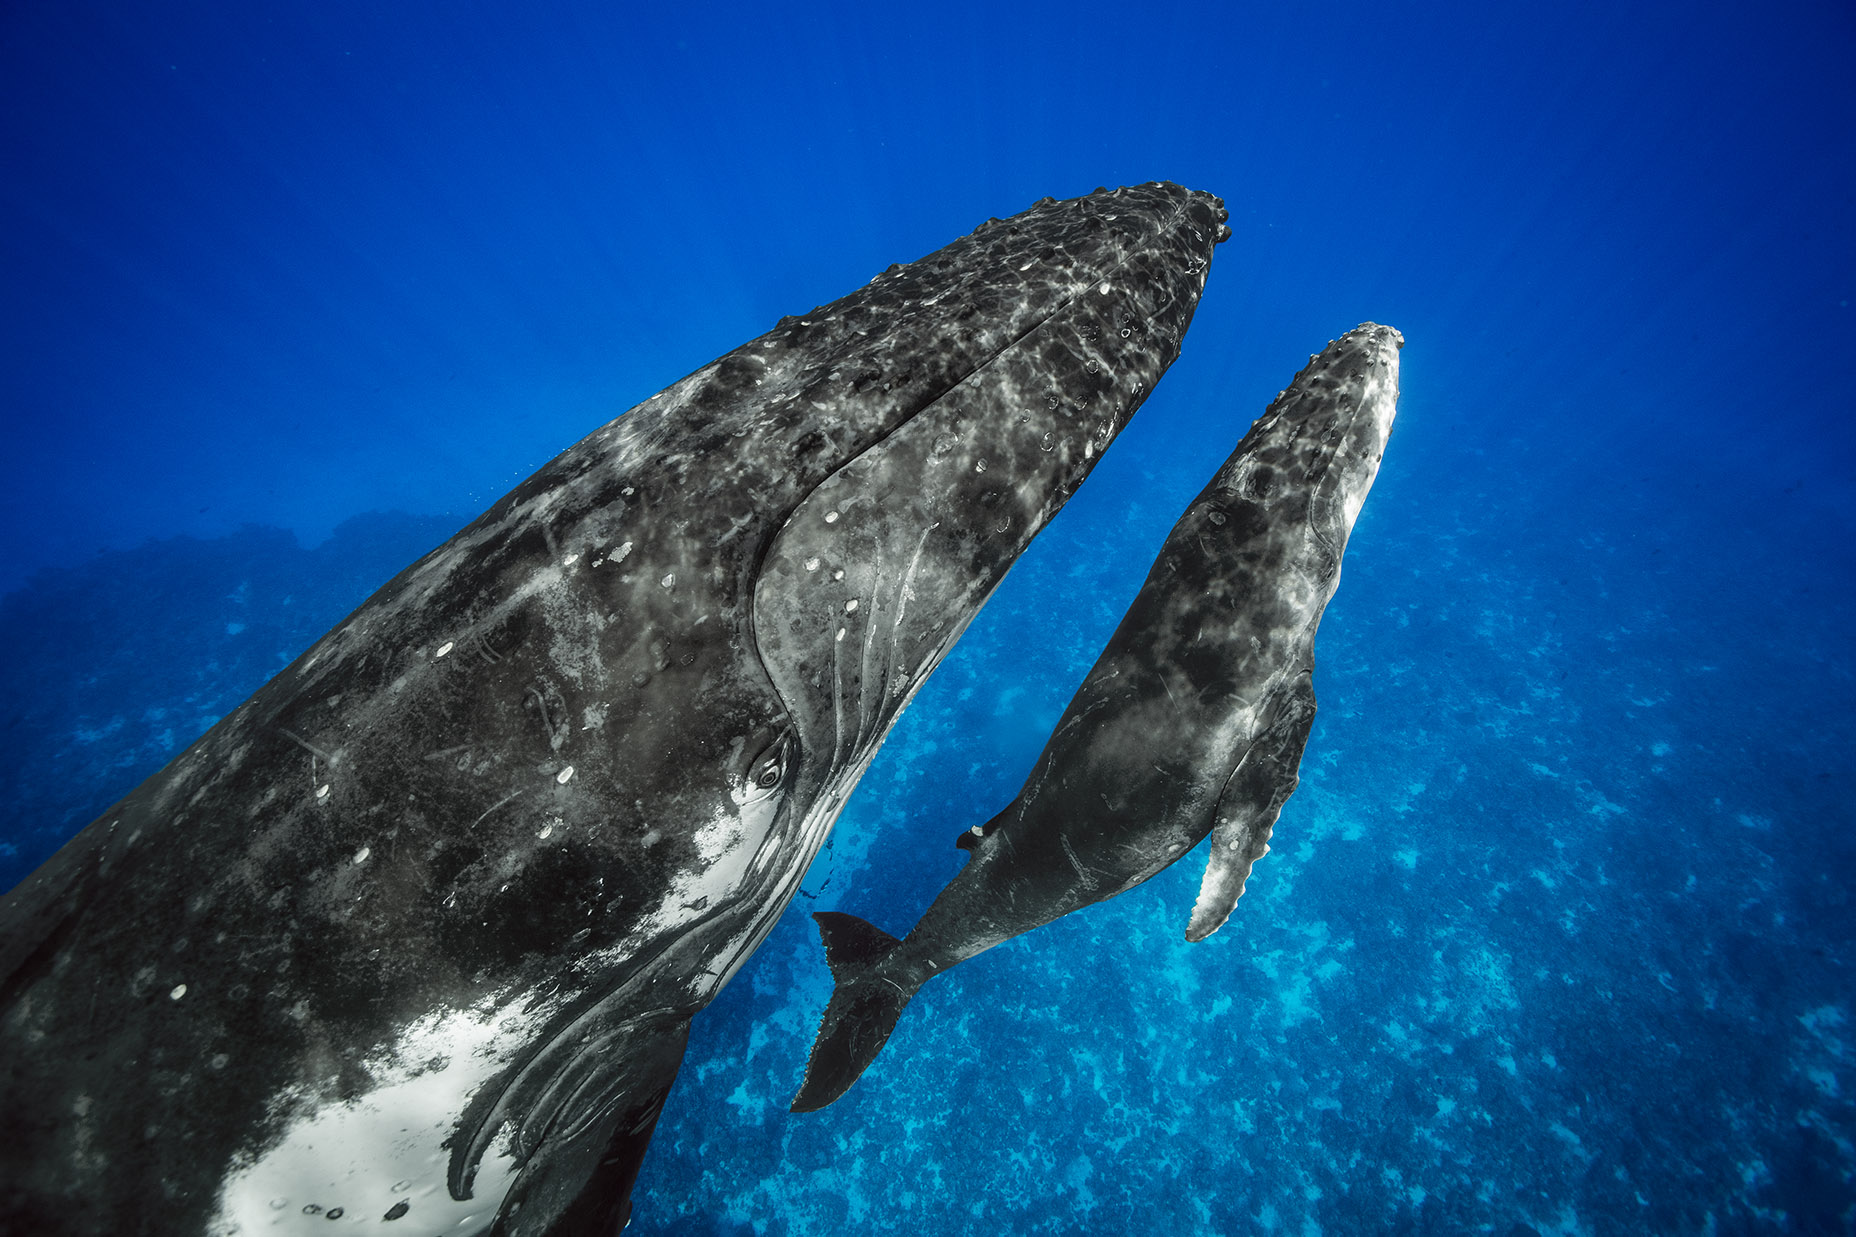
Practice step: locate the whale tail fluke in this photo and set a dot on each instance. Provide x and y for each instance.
(862, 1011)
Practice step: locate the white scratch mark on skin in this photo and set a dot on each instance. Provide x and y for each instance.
(307, 746)
(837, 695)
(906, 593)
(864, 694)
(506, 798)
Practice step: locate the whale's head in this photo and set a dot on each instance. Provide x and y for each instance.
(882, 462)
(611, 722)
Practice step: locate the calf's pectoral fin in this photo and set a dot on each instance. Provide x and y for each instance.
(1247, 808)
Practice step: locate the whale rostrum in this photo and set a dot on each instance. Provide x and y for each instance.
(1192, 721)
(417, 931)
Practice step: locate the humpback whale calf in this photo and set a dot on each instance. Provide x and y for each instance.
(417, 931)
(1191, 722)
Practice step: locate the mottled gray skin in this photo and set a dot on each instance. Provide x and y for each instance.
(418, 930)
(1191, 722)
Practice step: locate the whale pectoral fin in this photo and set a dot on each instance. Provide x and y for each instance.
(604, 1204)
(582, 1126)
(1252, 798)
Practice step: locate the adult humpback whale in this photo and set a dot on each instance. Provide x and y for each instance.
(1191, 722)
(418, 930)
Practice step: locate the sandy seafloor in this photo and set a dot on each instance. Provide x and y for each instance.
(1556, 936)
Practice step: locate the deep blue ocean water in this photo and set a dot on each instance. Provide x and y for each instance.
(1557, 936)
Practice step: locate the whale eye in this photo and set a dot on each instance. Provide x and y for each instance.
(768, 770)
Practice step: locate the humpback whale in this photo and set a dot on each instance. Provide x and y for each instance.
(1192, 721)
(418, 930)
